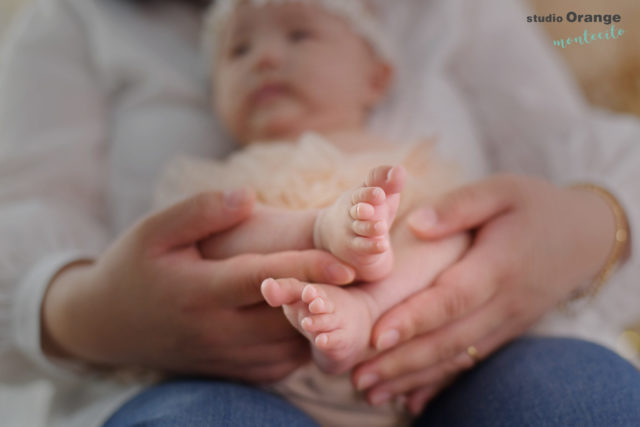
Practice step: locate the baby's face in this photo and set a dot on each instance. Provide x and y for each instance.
(289, 68)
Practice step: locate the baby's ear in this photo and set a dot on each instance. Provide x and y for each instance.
(380, 81)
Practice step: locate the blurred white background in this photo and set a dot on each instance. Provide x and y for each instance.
(609, 73)
(24, 406)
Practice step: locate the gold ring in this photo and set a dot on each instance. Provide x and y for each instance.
(473, 353)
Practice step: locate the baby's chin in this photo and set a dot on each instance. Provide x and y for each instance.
(276, 128)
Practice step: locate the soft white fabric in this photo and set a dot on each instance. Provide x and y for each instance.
(97, 97)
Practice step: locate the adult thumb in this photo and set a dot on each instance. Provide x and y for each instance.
(197, 217)
(463, 209)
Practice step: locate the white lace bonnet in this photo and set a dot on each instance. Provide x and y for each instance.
(360, 14)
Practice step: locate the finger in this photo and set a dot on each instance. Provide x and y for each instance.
(485, 347)
(196, 218)
(262, 354)
(419, 398)
(236, 281)
(264, 374)
(282, 291)
(465, 357)
(465, 208)
(431, 377)
(430, 349)
(258, 324)
(460, 289)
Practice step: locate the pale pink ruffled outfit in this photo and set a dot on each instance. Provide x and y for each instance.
(307, 174)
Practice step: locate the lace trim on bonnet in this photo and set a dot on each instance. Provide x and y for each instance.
(361, 15)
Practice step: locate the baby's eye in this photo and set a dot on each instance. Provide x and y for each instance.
(299, 35)
(239, 50)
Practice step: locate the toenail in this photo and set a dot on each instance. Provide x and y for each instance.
(318, 304)
(366, 381)
(322, 339)
(306, 322)
(389, 174)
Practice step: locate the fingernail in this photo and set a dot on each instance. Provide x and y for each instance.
(233, 199)
(366, 381)
(340, 274)
(387, 340)
(423, 220)
(380, 398)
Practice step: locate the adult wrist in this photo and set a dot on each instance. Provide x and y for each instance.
(56, 318)
(26, 315)
(619, 241)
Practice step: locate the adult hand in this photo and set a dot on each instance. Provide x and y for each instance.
(535, 244)
(151, 300)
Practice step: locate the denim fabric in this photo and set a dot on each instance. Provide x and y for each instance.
(199, 403)
(530, 382)
(542, 382)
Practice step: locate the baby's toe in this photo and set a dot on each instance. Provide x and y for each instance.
(362, 211)
(369, 246)
(321, 306)
(282, 291)
(317, 323)
(370, 228)
(310, 292)
(372, 195)
(332, 341)
(390, 178)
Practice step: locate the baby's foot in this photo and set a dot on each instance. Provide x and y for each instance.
(337, 321)
(356, 227)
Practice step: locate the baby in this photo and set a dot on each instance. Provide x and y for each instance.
(295, 81)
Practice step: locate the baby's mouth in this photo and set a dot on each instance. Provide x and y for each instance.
(268, 92)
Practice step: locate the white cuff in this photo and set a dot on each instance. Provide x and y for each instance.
(26, 312)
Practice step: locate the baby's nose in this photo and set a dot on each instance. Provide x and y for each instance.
(270, 55)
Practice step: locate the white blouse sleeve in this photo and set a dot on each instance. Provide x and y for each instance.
(534, 120)
(52, 151)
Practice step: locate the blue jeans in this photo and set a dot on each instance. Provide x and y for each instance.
(530, 382)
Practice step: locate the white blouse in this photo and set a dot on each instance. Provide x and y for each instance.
(96, 97)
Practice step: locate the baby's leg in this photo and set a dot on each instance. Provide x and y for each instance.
(356, 227)
(267, 230)
(338, 320)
